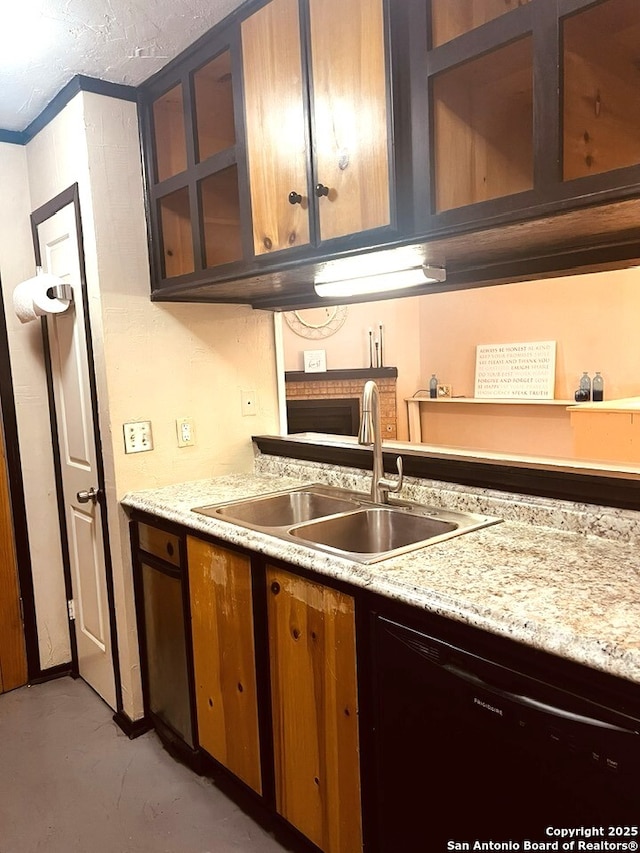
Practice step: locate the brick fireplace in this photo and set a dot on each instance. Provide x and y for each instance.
(330, 401)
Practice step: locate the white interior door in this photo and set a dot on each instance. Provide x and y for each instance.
(59, 250)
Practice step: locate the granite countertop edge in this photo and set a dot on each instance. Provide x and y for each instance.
(514, 579)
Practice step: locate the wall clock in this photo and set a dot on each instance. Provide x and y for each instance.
(316, 323)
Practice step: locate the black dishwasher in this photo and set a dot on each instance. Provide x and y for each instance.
(160, 579)
(472, 751)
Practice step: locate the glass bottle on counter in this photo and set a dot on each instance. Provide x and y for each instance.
(585, 386)
(433, 387)
(598, 388)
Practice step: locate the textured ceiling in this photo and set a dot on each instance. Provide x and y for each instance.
(45, 43)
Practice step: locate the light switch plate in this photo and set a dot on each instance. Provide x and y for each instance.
(137, 437)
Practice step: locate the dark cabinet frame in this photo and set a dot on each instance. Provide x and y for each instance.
(283, 279)
(221, 39)
(227, 36)
(542, 19)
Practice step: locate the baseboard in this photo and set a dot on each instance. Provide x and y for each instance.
(132, 728)
(59, 671)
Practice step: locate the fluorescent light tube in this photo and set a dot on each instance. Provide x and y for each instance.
(382, 283)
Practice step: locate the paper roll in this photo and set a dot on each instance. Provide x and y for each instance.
(33, 298)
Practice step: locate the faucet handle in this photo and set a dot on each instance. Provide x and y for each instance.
(393, 485)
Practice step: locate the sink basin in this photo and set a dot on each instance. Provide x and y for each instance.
(346, 523)
(374, 530)
(284, 509)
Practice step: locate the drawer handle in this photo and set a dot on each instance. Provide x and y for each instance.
(275, 587)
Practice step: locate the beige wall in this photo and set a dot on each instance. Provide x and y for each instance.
(593, 319)
(349, 347)
(32, 412)
(153, 362)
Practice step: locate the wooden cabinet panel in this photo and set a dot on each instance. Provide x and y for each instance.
(601, 80)
(221, 220)
(224, 658)
(171, 143)
(315, 710)
(275, 126)
(483, 127)
(177, 237)
(451, 18)
(213, 91)
(350, 115)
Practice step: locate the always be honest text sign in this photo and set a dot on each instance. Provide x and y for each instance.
(516, 371)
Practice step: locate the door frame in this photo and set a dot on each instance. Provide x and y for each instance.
(17, 500)
(38, 216)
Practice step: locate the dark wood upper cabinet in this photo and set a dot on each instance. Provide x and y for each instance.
(195, 163)
(522, 109)
(301, 131)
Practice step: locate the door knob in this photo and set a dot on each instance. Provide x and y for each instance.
(88, 495)
(321, 190)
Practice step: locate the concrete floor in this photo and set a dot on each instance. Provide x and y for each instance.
(72, 782)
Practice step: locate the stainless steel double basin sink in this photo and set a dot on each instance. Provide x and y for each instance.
(346, 523)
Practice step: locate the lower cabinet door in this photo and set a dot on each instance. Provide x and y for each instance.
(315, 710)
(224, 658)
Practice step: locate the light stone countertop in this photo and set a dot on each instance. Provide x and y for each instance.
(568, 593)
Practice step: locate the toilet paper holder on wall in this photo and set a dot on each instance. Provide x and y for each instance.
(41, 295)
(60, 291)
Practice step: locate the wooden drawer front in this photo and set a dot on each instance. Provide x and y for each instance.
(161, 544)
(224, 658)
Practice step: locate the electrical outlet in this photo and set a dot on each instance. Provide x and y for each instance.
(137, 437)
(185, 431)
(248, 402)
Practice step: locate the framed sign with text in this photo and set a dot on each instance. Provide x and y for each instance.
(524, 371)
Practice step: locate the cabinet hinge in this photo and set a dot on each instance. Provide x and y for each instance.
(21, 610)
(71, 607)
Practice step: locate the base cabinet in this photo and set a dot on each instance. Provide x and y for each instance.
(315, 710)
(257, 668)
(220, 590)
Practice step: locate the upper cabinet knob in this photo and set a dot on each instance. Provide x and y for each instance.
(295, 198)
(321, 190)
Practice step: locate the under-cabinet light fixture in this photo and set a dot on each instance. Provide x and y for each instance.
(382, 282)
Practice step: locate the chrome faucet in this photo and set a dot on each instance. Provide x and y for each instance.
(371, 434)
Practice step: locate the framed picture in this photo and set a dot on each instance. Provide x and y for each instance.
(444, 391)
(315, 361)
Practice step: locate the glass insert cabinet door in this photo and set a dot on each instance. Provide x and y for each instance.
(170, 138)
(196, 184)
(601, 88)
(487, 136)
(483, 127)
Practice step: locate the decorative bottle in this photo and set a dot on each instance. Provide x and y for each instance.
(433, 386)
(598, 388)
(585, 386)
